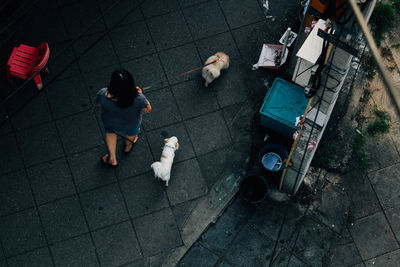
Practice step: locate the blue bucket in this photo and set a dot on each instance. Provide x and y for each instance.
(272, 157)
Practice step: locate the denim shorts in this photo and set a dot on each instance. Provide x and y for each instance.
(128, 132)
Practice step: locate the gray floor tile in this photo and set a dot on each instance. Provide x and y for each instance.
(104, 206)
(138, 161)
(39, 144)
(208, 132)
(78, 251)
(250, 249)
(175, 64)
(220, 235)
(169, 30)
(186, 182)
(223, 264)
(87, 170)
(3, 264)
(147, 71)
(156, 141)
(78, 16)
(205, 20)
(239, 117)
(63, 219)
(381, 152)
(158, 7)
(40, 257)
(373, 236)
(62, 62)
(198, 256)
(11, 159)
(98, 79)
(193, 99)
(35, 112)
(21, 232)
(132, 41)
(222, 42)
(395, 134)
(213, 164)
(117, 245)
(389, 259)
(393, 216)
(287, 258)
(386, 185)
(51, 180)
(80, 132)
(160, 236)
(101, 48)
(121, 13)
(144, 194)
(68, 96)
(187, 3)
(5, 125)
(239, 13)
(15, 193)
(183, 210)
(345, 255)
(164, 110)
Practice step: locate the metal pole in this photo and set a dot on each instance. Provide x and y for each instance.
(393, 92)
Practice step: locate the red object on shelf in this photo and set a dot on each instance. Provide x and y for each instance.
(26, 61)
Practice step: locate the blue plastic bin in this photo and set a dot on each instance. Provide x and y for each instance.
(283, 103)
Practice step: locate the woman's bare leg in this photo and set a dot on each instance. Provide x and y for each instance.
(129, 144)
(111, 141)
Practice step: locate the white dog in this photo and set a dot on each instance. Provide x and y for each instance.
(213, 70)
(162, 168)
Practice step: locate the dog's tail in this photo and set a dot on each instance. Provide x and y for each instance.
(156, 166)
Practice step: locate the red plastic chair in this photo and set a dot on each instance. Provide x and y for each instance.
(26, 61)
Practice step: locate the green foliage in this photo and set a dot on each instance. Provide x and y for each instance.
(380, 125)
(369, 66)
(386, 52)
(382, 20)
(396, 45)
(396, 5)
(359, 154)
(325, 154)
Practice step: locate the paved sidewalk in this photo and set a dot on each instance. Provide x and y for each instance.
(58, 205)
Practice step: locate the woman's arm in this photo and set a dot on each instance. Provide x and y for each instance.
(148, 109)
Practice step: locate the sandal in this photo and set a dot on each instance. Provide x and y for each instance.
(105, 160)
(129, 145)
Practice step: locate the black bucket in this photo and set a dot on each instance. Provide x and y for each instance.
(253, 189)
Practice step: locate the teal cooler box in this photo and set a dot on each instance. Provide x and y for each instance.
(283, 103)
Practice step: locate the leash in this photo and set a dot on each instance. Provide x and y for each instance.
(181, 74)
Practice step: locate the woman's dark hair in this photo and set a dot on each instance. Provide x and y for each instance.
(122, 86)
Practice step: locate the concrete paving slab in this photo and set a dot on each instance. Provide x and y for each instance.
(117, 244)
(86, 125)
(132, 41)
(158, 237)
(89, 173)
(15, 193)
(51, 181)
(21, 232)
(174, 63)
(147, 71)
(393, 216)
(389, 259)
(103, 49)
(208, 132)
(156, 141)
(67, 96)
(345, 255)
(199, 256)
(194, 99)
(221, 42)
(169, 30)
(183, 210)
(158, 7)
(65, 57)
(104, 206)
(9, 147)
(239, 14)
(381, 152)
(205, 20)
(77, 251)
(395, 134)
(39, 257)
(186, 182)
(144, 194)
(373, 236)
(386, 184)
(37, 111)
(39, 144)
(62, 219)
(119, 11)
(166, 111)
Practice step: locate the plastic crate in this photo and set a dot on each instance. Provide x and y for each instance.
(283, 103)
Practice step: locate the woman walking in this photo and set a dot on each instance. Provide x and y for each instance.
(121, 103)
